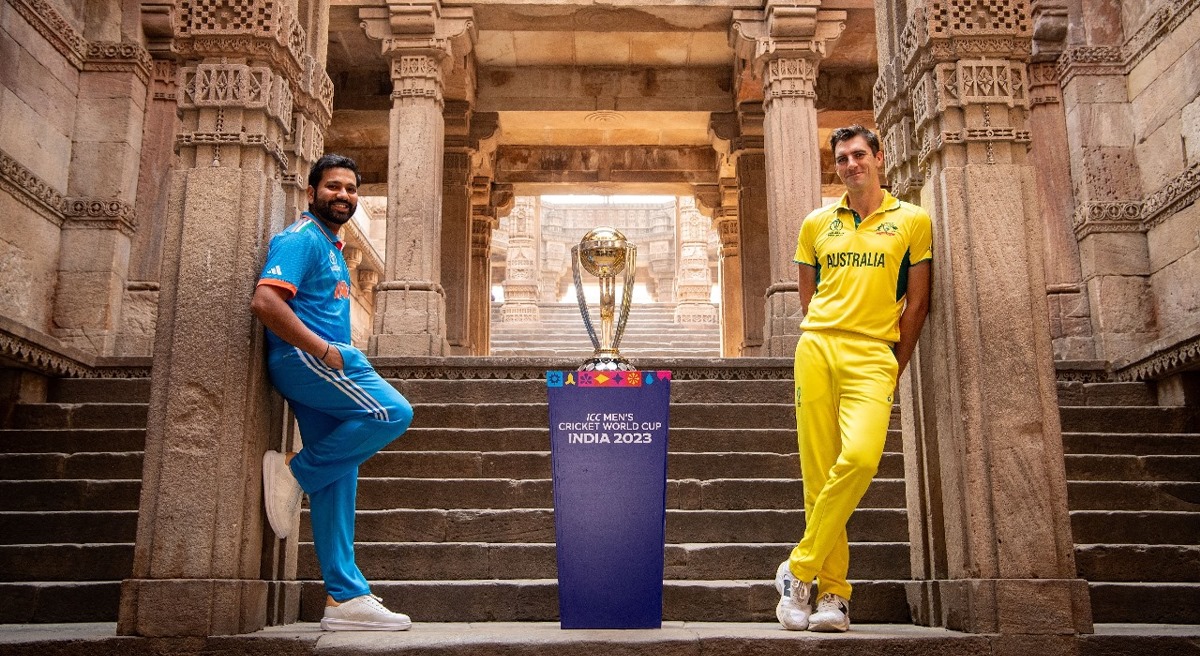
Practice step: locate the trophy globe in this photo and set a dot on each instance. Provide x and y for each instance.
(605, 253)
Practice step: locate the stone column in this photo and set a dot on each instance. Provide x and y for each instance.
(978, 446)
(1113, 249)
(754, 248)
(785, 47)
(489, 200)
(1050, 154)
(521, 265)
(693, 284)
(456, 230)
(421, 39)
(202, 562)
(729, 267)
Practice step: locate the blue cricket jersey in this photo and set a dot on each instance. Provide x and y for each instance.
(306, 259)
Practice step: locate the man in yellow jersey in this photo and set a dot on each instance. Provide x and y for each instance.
(864, 290)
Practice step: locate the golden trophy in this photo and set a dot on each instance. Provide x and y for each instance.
(604, 253)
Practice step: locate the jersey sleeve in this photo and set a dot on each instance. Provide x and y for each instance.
(287, 262)
(806, 252)
(920, 246)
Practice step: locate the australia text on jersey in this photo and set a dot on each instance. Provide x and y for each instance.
(852, 259)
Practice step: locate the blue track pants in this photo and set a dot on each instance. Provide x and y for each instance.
(345, 417)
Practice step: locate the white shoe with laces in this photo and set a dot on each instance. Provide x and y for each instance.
(281, 494)
(365, 613)
(832, 615)
(793, 609)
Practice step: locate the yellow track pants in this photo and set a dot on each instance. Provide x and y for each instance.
(844, 386)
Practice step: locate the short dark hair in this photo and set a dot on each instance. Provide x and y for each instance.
(331, 161)
(849, 132)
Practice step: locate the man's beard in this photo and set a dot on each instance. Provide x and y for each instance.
(329, 215)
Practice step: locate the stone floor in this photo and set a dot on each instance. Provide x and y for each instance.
(674, 639)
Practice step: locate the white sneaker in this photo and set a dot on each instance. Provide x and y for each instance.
(281, 494)
(793, 609)
(833, 614)
(365, 613)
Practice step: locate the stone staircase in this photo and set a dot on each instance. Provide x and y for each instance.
(651, 332)
(455, 519)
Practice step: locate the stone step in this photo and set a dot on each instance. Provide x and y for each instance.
(536, 415)
(79, 415)
(1138, 562)
(458, 561)
(66, 562)
(69, 494)
(680, 440)
(1135, 526)
(71, 440)
(536, 600)
(1136, 444)
(1121, 394)
(30, 466)
(537, 525)
(536, 464)
(717, 494)
(1127, 419)
(1110, 467)
(1146, 603)
(42, 602)
(69, 526)
(1124, 495)
(99, 390)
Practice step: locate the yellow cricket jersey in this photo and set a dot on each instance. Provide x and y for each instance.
(862, 273)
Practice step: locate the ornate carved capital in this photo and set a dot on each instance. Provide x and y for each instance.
(788, 32)
(99, 214)
(418, 75)
(789, 78)
(1043, 84)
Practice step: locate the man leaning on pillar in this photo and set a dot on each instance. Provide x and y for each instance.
(346, 411)
(864, 277)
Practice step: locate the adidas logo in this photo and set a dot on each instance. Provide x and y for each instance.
(275, 271)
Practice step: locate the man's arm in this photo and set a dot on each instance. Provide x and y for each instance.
(916, 307)
(807, 281)
(270, 306)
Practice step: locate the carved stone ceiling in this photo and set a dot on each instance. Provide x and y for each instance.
(577, 73)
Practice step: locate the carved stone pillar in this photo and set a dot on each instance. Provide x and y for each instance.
(421, 39)
(785, 46)
(456, 231)
(201, 555)
(693, 284)
(1113, 249)
(977, 445)
(521, 265)
(488, 202)
(729, 268)
(754, 248)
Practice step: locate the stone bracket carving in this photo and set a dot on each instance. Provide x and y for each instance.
(1183, 355)
(1098, 217)
(30, 190)
(99, 214)
(60, 34)
(785, 32)
(1177, 194)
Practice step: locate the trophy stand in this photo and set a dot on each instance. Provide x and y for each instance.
(605, 253)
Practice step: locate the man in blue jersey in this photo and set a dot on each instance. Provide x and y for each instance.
(346, 412)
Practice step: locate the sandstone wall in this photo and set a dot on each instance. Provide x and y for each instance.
(38, 89)
(1164, 90)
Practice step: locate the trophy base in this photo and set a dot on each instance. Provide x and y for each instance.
(604, 363)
